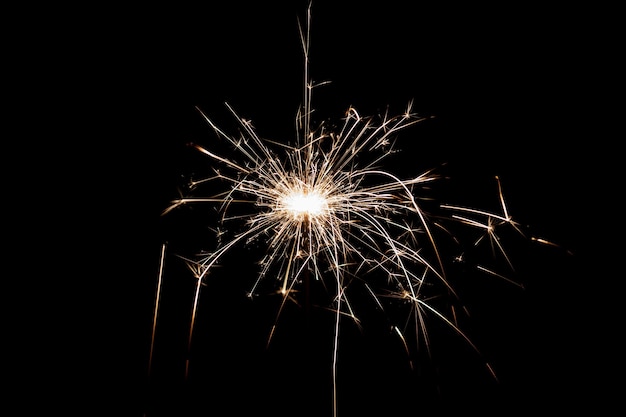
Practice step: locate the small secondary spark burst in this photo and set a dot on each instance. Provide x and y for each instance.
(327, 210)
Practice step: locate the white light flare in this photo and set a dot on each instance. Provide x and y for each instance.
(303, 205)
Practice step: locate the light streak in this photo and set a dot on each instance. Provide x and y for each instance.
(156, 308)
(326, 209)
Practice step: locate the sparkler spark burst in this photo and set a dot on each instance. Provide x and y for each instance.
(327, 210)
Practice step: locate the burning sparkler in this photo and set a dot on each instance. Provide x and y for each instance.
(328, 211)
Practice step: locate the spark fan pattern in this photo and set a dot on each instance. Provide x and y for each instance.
(327, 210)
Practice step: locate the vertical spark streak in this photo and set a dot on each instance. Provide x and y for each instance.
(340, 289)
(305, 38)
(336, 343)
(156, 309)
(196, 299)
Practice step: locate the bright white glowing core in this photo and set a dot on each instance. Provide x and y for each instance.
(301, 204)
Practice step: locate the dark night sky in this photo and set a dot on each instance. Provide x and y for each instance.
(509, 93)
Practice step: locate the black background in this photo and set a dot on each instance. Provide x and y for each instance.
(515, 91)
